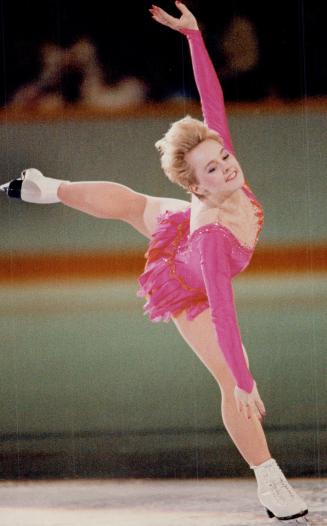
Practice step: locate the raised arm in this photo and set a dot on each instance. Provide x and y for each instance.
(209, 88)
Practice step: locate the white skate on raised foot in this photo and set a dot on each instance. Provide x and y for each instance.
(33, 187)
(277, 496)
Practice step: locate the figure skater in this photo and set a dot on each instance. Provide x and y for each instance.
(195, 249)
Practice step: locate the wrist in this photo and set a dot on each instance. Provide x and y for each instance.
(190, 31)
(246, 385)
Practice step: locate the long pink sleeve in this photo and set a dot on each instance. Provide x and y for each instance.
(215, 267)
(209, 88)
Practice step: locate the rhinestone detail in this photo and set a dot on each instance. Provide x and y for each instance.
(258, 212)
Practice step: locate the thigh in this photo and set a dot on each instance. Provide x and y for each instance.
(111, 200)
(144, 209)
(200, 335)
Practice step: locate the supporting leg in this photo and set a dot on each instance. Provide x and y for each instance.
(247, 435)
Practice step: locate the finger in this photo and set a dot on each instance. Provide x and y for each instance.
(258, 409)
(249, 410)
(162, 21)
(260, 417)
(245, 410)
(183, 9)
(164, 16)
(154, 10)
(261, 407)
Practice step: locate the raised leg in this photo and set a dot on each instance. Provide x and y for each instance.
(110, 200)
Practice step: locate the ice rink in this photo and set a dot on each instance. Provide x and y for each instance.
(145, 502)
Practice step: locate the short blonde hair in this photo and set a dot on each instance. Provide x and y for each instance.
(182, 136)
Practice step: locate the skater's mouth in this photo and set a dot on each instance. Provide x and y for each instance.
(231, 176)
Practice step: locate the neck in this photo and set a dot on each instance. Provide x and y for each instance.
(230, 203)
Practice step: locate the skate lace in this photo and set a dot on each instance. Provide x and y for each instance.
(278, 484)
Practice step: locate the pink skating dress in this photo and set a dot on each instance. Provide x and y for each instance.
(193, 272)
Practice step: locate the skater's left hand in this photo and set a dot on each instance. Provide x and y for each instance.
(186, 21)
(250, 404)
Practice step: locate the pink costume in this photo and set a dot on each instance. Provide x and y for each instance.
(193, 272)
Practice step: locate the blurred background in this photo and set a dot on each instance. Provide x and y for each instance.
(105, 53)
(89, 386)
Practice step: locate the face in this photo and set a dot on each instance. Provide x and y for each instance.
(217, 171)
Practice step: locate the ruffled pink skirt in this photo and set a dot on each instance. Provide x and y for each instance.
(166, 291)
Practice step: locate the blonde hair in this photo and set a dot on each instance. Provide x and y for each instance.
(182, 136)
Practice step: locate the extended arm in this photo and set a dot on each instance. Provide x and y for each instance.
(210, 91)
(209, 88)
(215, 268)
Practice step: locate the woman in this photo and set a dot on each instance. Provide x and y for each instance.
(194, 251)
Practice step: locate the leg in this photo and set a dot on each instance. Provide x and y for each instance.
(104, 199)
(274, 491)
(248, 435)
(110, 200)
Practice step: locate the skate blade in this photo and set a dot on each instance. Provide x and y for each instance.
(293, 522)
(290, 520)
(4, 187)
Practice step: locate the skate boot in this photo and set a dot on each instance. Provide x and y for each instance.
(277, 495)
(33, 187)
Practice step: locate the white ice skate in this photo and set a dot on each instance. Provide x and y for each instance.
(277, 495)
(33, 187)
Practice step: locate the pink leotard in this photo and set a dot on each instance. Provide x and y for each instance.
(193, 272)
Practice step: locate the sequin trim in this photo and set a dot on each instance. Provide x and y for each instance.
(258, 212)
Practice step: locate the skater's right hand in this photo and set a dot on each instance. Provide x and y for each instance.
(186, 21)
(250, 404)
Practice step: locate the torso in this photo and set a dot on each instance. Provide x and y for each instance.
(173, 279)
(243, 223)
